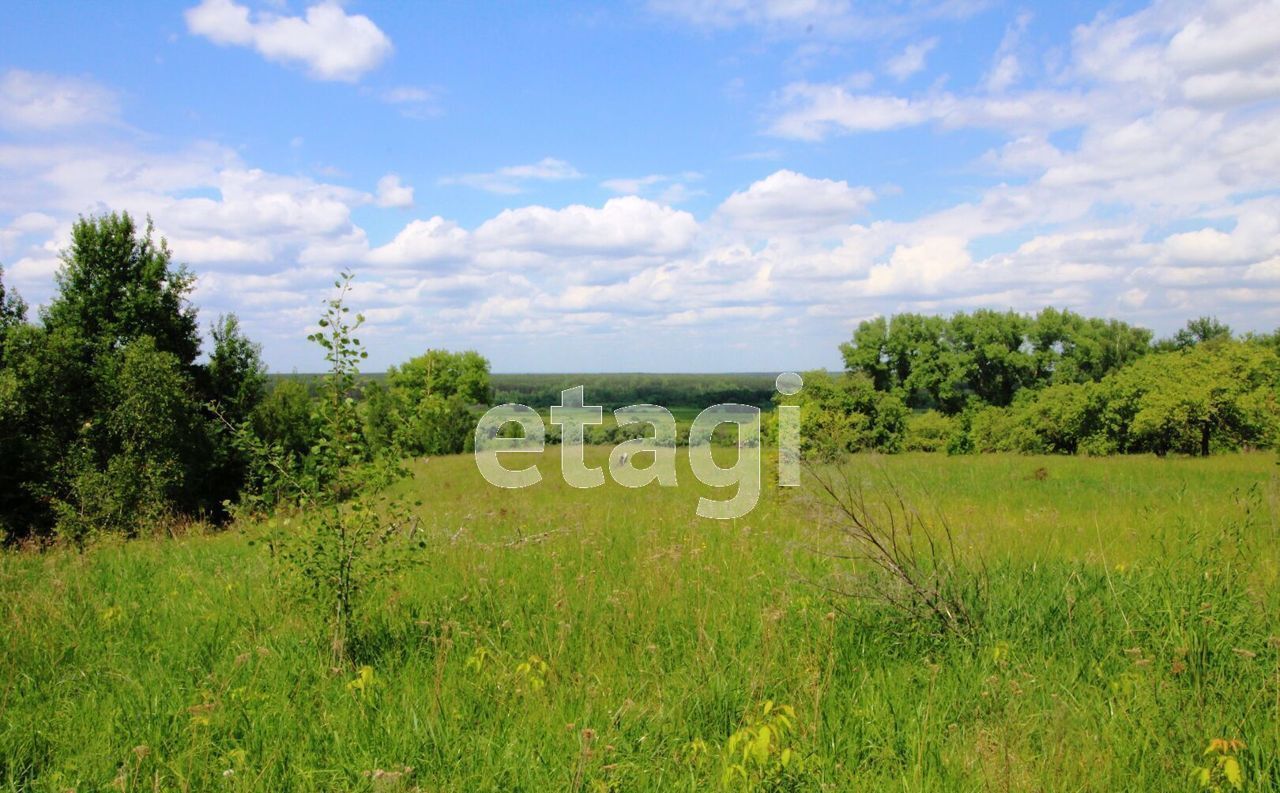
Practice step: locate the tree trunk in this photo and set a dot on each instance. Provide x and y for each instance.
(1204, 439)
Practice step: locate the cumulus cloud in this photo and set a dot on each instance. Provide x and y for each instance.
(391, 193)
(792, 203)
(43, 102)
(423, 241)
(1140, 180)
(629, 226)
(328, 42)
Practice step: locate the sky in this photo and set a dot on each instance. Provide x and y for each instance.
(670, 185)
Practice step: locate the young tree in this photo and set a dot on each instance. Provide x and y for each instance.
(352, 534)
(234, 383)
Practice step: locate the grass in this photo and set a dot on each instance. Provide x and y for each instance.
(557, 639)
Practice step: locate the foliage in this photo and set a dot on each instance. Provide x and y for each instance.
(284, 419)
(117, 284)
(1197, 331)
(761, 754)
(235, 384)
(350, 533)
(617, 390)
(928, 431)
(844, 414)
(1223, 771)
(427, 407)
(103, 406)
(13, 312)
(944, 363)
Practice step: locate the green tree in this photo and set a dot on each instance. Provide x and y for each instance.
(286, 418)
(117, 284)
(1190, 400)
(844, 414)
(431, 400)
(138, 462)
(13, 312)
(352, 535)
(234, 384)
(1198, 331)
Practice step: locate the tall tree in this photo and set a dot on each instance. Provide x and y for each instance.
(1201, 330)
(117, 284)
(13, 312)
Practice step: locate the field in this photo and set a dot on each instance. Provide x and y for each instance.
(608, 639)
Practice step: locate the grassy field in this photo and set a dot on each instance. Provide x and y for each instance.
(557, 639)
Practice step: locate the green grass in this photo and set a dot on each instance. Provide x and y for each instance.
(1132, 616)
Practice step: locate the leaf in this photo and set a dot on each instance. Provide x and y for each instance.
(760, 746)
(1232, 771)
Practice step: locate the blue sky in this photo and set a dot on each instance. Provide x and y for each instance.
(709, 185)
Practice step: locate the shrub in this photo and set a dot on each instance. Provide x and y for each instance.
(928, 432)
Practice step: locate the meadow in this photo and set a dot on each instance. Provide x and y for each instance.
(608, 639)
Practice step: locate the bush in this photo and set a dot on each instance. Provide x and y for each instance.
(928, 432)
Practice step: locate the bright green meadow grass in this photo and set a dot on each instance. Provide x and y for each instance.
(556, 639)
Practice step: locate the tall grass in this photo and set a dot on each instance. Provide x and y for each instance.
(556, 639)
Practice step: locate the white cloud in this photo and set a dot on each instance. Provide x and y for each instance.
(1140, 179)
(42, 102)
(666, 188)
(423, 241)
(623, 226)
(391, 193)
(331, 44)
(911, 60)
(919, 269)
(792, 203)
(514, 179)
(815, 111)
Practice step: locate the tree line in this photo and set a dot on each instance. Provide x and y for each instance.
(1053, 382)
(110, 420)
(612, 391)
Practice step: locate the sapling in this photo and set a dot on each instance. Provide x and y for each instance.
(349, 533)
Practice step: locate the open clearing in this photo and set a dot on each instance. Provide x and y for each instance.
(607, 639)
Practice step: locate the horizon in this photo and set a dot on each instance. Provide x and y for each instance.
(540, 185)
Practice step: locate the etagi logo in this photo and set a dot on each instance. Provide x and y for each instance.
(572, 416)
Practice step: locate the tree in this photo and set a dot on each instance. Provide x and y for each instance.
(1070, 348)
(138, 462)
(1189, 400)
(868, 354)
(234, 384)
(285, 418)
(351, 534)
(431, 400)
(101, 407)
(443, 373)
(13, 312)
(844, 414)
(236, 378)
(1198, 331)
(117, 284)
